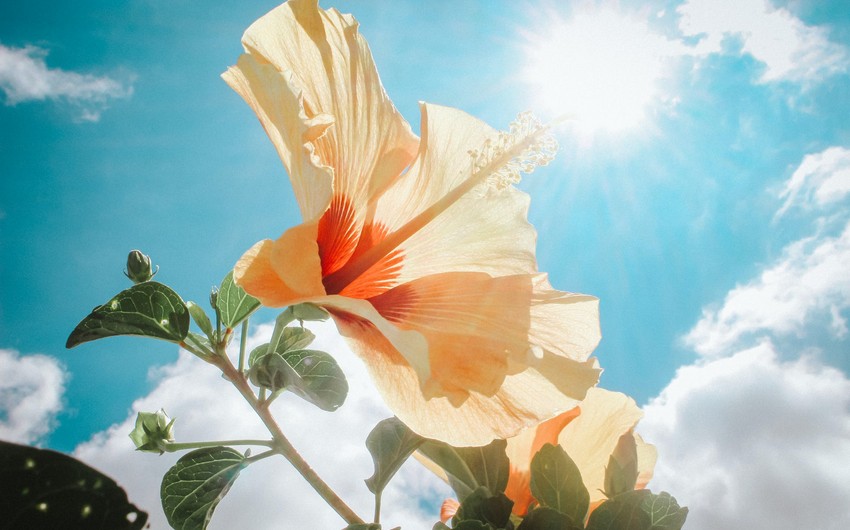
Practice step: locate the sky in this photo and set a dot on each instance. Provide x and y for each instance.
(700, 191)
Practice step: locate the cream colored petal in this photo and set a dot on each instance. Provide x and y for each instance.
(565, 324)
(647, 456)
(284, 271)
(591, 438)
(276, 99)
(478, 327)
(525, 398)
(482, 231)
(369, 143)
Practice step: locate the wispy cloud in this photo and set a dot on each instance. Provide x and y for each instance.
(271, 493)
(31, 389)
(807, 288)
(807, 283)
(790, 49)
(748, 441)
(822, 179)
(25, 76)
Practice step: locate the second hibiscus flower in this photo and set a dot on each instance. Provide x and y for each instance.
(419, 248)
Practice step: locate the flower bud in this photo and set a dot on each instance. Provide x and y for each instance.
(622, 471)
(214, 297)
(152, 431)
(139, 267)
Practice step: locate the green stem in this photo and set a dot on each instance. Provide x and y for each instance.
(255, 458)
(284, 447)
(173, 446)
(242, 341)
(378, 507)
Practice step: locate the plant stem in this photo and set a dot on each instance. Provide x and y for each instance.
(378, 507)
(173, 446)
(242, 341)
(283, 446)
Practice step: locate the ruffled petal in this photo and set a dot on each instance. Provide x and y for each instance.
(478, 327)
(527, 395)
(369, 143)
(276, 99)
(647, 455)
(591, 438)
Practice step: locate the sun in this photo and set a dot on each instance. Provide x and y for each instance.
(600, 67)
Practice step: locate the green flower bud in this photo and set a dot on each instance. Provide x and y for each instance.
(139, 267)
(152, 431)
(214, 297)
(622, 471)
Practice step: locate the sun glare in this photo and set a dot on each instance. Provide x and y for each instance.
(600, 68)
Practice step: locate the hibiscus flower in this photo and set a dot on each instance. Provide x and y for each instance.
(590, 433)
(419, 248)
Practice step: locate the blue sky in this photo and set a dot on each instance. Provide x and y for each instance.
(713, 226)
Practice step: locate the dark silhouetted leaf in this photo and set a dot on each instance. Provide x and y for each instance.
(390, 443)
(544, 518)
(45, 489)
(148, 309)
(195, 485)
(470, 467)
(638, 510)
(556, 482)
(482, 506)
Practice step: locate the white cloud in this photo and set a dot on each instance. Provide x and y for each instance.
(807, 285)
(749, 441)
(270, 494)
(810, 280)
(821, 179)
(31, 389)
(789, 49)
(24, 76)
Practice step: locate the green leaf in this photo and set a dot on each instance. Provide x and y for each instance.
(544, 518)
(149, 309)
(390, 443)
(46, 489)
(638, 510)
(312, 375)
(234, 303)
(471, 467)
(294, 338)
(195, 485)
(363, 526)
(481, 505)
(665, 513)
(556, 482)
(200, 318)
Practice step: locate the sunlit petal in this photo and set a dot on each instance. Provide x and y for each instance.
(591, 438)
(276, 99)
(523, 399)
(369, 143)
